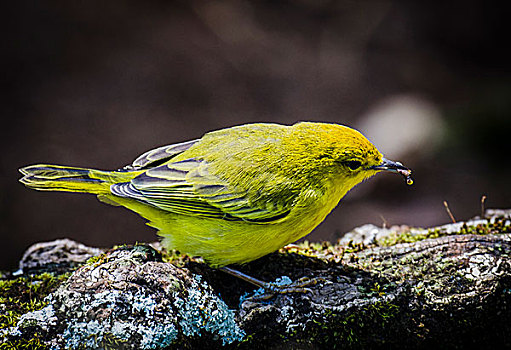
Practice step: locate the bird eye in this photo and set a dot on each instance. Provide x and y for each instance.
(353, 164)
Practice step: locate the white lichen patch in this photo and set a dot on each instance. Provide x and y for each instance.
(125, 301)
(204, 312)
(130, 316)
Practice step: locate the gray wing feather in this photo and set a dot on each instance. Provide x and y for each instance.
(159, 155)
(186, 187)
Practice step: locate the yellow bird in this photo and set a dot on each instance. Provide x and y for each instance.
(235, 194)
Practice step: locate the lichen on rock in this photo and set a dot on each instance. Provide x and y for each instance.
(398, 287)
(59, 255)
(129, 298)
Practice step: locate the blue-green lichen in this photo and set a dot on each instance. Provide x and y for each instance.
(140, 318)
(206, 312)
(132, 316)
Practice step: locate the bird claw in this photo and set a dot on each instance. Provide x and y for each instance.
(270, 289)
(298, 286)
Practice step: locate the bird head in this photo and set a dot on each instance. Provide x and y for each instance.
(349, 156)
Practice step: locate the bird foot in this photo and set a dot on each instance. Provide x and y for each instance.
(284, 285)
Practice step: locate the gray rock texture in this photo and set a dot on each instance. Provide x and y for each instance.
(58, 255)
(397, 287)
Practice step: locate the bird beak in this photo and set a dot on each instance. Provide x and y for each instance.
(391, 166)
(395, 167)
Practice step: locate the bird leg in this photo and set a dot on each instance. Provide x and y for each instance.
(299, 286)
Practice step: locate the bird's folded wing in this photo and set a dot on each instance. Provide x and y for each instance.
(186, 187)
(159, 155)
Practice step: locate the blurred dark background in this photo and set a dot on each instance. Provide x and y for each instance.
(96, 83)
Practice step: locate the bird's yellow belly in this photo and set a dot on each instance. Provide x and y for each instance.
(222, 242)
(228, 243)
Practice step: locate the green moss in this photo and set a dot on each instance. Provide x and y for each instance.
(175, 257)
(25, 294)
(21, 295)
(325, 251)
(364, 327)
(409, 236)
(358, 329)
(334, 253)
(96, 260)
(29, 344)
(494, 226)
(140, 251)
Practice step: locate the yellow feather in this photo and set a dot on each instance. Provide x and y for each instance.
(236, 194)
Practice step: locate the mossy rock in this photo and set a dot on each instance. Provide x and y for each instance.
(398, 287)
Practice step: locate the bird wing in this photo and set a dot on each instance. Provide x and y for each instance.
(159, 156)
(186, 187)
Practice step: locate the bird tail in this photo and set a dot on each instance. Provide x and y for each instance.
(45, 177)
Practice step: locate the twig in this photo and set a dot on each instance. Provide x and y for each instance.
(483, 199)
(446, 205)
(385, 222)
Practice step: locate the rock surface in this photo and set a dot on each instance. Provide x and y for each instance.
(398, 287)
(58, 255)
